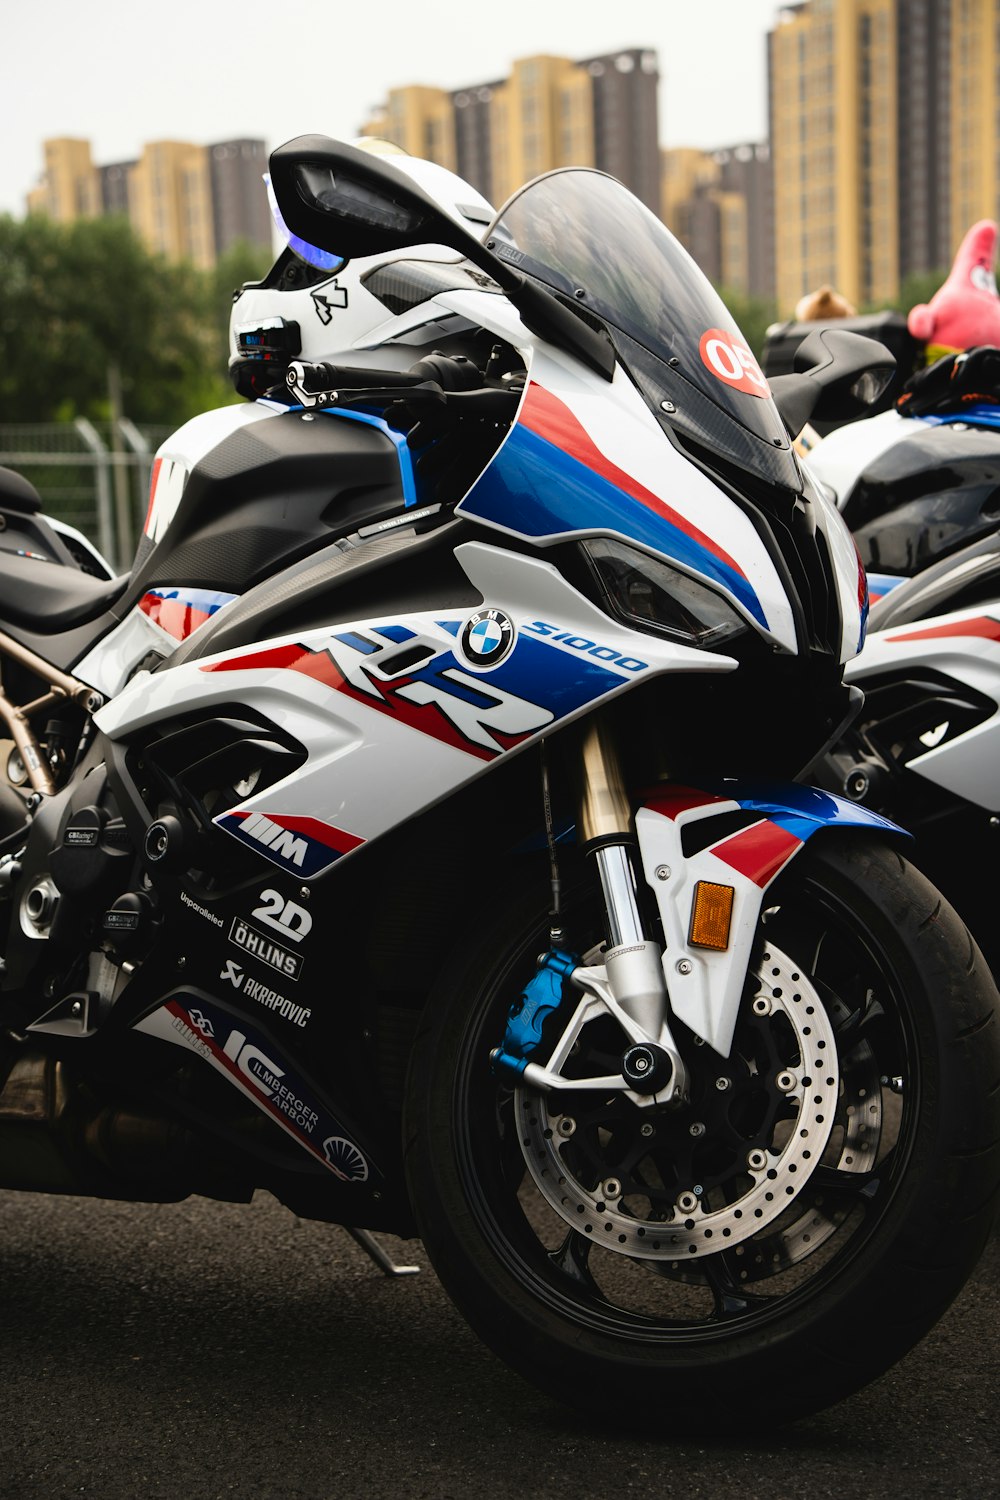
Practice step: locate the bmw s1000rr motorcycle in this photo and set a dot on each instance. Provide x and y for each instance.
(416, 833)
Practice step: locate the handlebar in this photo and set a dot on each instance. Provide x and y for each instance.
(321, 384)
(305, 379)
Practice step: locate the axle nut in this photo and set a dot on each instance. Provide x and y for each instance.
(646, 1068)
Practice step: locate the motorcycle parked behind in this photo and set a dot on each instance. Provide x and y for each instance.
(919, 482)
(415, 833)
(921, 489)
(925, 748)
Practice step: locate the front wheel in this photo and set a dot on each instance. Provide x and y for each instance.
(778, 1241)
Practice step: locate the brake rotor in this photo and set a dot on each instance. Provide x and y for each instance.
(627, 1213)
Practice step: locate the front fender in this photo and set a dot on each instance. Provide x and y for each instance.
(705, 986)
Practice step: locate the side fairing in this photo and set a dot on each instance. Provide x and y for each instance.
(838, 460)
(396, 713)
(964, 647)
(848, 573)
(161, 619)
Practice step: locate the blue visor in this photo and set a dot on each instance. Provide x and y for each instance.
(323, 260)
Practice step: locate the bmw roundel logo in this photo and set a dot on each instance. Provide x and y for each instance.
(487, 637)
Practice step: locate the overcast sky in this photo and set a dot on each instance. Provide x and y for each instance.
(122, 72)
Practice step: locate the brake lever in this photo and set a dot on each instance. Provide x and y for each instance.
(428, 390)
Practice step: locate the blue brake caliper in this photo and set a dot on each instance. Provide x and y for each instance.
(539, 998)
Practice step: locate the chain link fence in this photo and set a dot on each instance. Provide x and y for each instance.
(92, 475)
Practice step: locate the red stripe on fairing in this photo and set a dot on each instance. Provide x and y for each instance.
(313, 828)
(427, 718)
(549, 418)
(277, 658)
(174, 616)
(678, 799)
(758, 852)
(864, 596)
(153, 477)
(982, 626)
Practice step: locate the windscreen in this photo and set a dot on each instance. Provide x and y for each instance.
(585, 235)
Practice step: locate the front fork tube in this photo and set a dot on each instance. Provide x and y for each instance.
(634, 972)
(634, 978)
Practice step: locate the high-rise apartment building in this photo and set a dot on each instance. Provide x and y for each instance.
(170, 201)
(239, 202)
(720, 205)
(550, 112)
(884, 139)
(834, 145)
(70, 187)
(115, 178)
(186, 202)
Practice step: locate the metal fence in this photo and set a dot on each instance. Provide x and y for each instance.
(93, 475)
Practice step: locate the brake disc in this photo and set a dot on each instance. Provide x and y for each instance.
(628, 1214)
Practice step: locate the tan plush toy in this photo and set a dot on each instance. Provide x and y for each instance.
(822, 305)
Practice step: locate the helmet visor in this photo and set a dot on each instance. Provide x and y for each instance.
(323, 260)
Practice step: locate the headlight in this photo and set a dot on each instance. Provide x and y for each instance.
(654, 597)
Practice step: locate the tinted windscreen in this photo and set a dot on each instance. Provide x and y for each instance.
(585, 235)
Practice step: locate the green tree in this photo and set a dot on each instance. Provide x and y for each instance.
(918, 287)
(240, 263)
(82, 297)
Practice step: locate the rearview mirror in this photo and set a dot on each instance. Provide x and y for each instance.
(838, 375)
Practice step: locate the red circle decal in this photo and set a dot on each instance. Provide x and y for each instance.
(729, 359)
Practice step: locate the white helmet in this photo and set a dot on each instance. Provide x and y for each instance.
(313, 305)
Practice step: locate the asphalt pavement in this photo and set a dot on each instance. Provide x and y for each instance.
(210, 1351)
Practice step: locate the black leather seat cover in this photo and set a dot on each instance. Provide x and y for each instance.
(18, 493)
(48, 598)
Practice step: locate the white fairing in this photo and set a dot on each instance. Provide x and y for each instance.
(848, 572)
(113, 660)
(839, 458)
(705, 986)
(386, 742)
(627, 437)
(333, 316)
(965, 646)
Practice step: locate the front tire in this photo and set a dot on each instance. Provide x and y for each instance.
(874, 1241)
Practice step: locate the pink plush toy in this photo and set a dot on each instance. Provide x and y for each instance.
(965, 311)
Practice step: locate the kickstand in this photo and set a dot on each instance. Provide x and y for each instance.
(382, 1259)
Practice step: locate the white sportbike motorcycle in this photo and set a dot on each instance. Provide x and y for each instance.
(416, 833)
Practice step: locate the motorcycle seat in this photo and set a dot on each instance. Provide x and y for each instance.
(49, 598)
(18, 493)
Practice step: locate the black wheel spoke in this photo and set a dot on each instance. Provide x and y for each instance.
(857, 1025)
(845, 1184)
(732, 1299)
(573, 1259)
